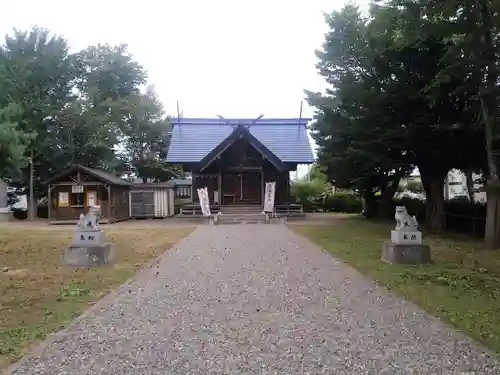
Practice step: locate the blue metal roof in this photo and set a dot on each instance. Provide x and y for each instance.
(193, 138)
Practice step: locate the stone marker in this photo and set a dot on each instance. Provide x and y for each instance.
(4, 209)
(406, 241)
(88, 248)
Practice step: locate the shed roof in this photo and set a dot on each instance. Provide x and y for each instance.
(153, 185)
(194, 138)
(182, 181)
(97, 173)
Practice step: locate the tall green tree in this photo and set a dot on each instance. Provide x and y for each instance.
(13, 142)
(474, 27)
(36, 76)
(354, 148)
(384, 113)
(146, 136)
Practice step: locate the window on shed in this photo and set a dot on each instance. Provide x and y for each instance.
(183, 191)
(77, 199)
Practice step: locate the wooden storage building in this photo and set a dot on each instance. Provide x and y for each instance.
(155, 200)
(73, 191)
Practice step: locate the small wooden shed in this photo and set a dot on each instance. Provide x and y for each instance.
(74, 190)
(155, 200)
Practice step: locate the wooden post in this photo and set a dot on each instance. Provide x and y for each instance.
(110, 201)
(193, 181)
(287, 187)
(262, 187)
(49, 203)
(219, 187)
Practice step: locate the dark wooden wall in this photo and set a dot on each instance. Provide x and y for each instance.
(120, 202)
(73, 212)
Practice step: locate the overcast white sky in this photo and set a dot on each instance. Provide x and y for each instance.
(227, 57)
(234, 58)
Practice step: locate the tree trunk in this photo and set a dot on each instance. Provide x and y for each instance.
(435, 217)
(446, 188)
(32, 207)
(492, 229)
(369, 205)
(470, 184)
(386, 198)
(488, 102)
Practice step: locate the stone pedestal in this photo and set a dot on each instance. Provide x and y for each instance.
(89, 248)
(89, 255)
(406, 237)
(4, 214)
(406, 253)
(88, 237)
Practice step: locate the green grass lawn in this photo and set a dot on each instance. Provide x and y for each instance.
(39, 295)
(462, 286)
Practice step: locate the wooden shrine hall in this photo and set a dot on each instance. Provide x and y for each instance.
(234, 158)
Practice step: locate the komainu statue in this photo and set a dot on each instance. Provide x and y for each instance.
(404, 221)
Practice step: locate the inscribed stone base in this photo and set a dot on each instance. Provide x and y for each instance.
(4, 214)
(406, 254)
(89, 256)
(88, 237)
(406, 237)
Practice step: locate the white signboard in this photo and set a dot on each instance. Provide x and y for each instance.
(204, 201)
(269, 196)
(77, 189)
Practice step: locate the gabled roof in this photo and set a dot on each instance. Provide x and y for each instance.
(241, 131)
(97, 173)
(193, 139)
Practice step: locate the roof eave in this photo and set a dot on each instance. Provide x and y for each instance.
(241, 132)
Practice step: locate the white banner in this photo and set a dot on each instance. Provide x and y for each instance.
(204, 201)
(269, 196)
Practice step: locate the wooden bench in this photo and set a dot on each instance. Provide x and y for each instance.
(195, 210)
(288, 209)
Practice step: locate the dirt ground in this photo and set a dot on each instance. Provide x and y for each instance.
(310, 219)
(131, 224)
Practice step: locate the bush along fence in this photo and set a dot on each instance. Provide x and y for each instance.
(341, 202)
(461, 216)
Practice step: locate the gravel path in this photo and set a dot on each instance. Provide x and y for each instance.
(246, 299)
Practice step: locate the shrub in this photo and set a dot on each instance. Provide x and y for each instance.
(461, 215)
(20, 213)
(308, 193)
(43, 211)
(344, 202)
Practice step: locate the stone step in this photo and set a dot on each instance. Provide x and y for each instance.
(243, 221)
(226, 218)
(241, 209)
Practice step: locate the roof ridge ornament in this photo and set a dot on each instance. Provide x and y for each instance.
(240, 123)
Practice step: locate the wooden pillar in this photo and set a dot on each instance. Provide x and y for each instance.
(49, 203)
(219, 187)
(193, 182)
(287, 187)
(263, 186)
(110, 201)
